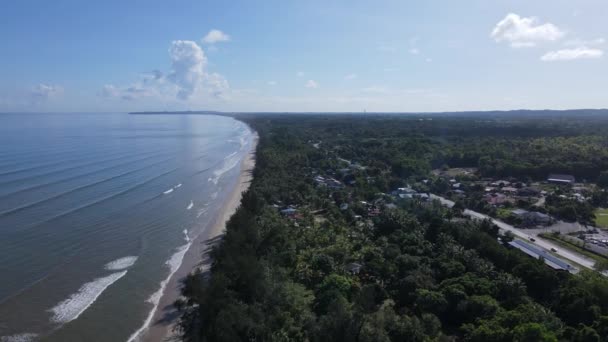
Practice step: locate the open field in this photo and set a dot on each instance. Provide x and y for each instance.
(601, 218)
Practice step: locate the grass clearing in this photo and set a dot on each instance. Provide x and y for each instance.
(601, 218)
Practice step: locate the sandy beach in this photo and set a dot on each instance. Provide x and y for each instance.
(165, 317)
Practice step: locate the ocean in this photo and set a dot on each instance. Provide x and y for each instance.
(98, 210)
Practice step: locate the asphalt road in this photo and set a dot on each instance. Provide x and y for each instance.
(540, 242)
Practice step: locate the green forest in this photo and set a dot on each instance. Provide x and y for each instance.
(414, 271)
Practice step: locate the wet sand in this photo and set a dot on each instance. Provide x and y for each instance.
(161, 328)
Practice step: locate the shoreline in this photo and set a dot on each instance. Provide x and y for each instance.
(165, 317)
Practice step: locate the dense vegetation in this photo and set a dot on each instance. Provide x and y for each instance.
(427, 274)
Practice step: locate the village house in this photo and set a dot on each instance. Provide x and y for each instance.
(495, 199)
(560, 179)
(532, 218)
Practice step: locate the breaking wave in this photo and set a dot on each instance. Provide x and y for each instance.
(174, 263)
(229, 163)
(25, 337)
(121, 264)
(77, 303)
(168, 191)
(190, 205)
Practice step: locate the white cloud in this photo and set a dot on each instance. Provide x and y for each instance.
(414, 51)
(216, 36)
(300, 73)
(524, 31)
(217, 85)
(187, 80)
(44, 92)
(272, 83)
(188, 64)
(311, 84)
(350, 76)
(572, 54)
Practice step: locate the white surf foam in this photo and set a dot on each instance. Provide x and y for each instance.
(25, 337)
(190, 205)
(214, 195)
(228, 165)
(230, 155)
(78, 302)
(168, 191)
(178, 186)
(174, 263)
(186, 237)
(121, 264)
(201, 212)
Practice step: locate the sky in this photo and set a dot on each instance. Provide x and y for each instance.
(302, 56)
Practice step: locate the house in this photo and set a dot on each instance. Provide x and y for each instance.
(532, 218)
(353, 268)
(422, 196)
(373, 212)
(343, 206)
(528, 192)
(509, 189)
(500, 183)
(560, 179)
(495, 199)
(406, 190)
(289, 212)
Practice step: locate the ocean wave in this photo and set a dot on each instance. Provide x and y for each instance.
(78, 302)
(186, 237)
(121, 264)
(231, 155)
(174, 263)
(228, 165)
(25, 337)
(168, 191)
(178, 186)
(201, 212)
(190, 205)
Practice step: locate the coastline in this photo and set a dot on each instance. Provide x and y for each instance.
(165, 317)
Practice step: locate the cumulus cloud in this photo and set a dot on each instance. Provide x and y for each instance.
(188, 62)
(300, 73)
(311, 84)
(572, 54)
(217, 85)
(414, 51)
(272, 83)
(524, 31)
(43, 92)
(350, 76)
(215, 36)
(187, 78)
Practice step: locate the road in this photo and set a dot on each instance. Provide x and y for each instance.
(540, 242)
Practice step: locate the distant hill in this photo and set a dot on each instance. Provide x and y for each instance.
(181, 112)
(490, 113)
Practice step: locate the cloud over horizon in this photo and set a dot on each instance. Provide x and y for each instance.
(572, 54)
(188, 78)
(525, 31)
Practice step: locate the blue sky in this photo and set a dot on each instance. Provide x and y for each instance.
(311, 55)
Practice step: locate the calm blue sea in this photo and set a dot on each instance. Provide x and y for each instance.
(96, 212)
